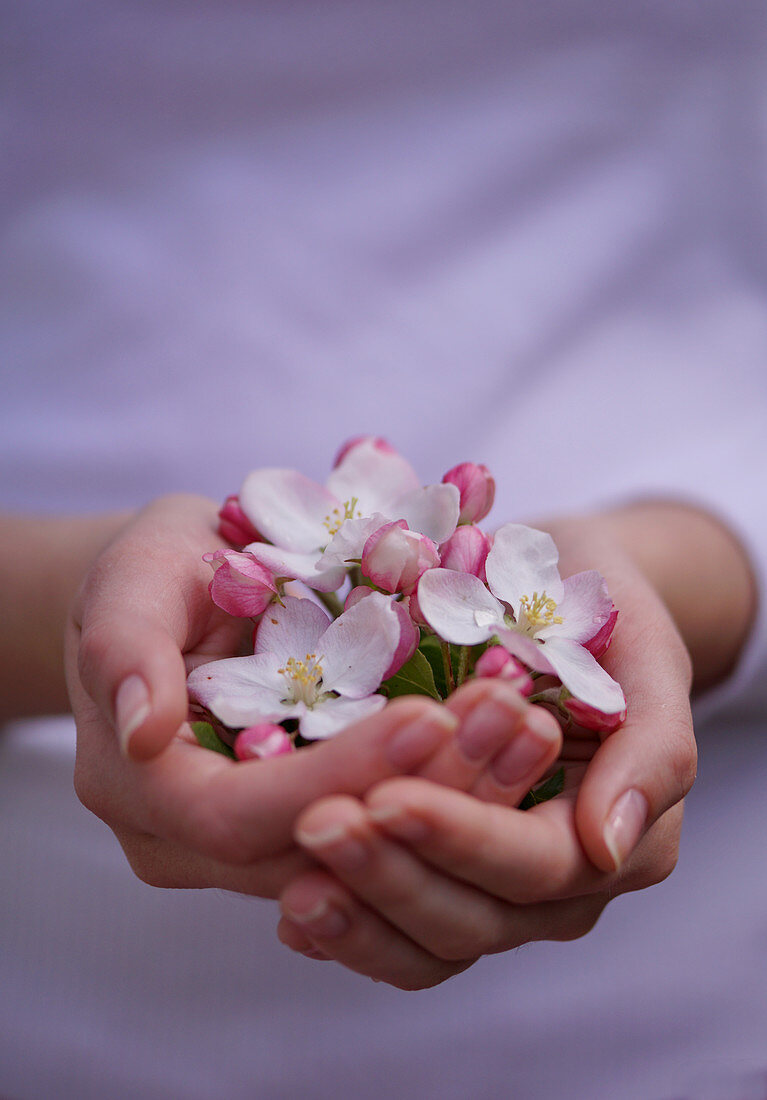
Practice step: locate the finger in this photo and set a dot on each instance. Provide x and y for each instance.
(502, 746)
(648, 764)
(238, 812)
(317, 909)
(518, 856)
(134, 625)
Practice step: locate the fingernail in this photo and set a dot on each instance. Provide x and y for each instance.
(418, 739)
(335, 846)
(528, 749)
(399, 823)
(323, 919)
(132, 707)
(484, 728)
(625, 824)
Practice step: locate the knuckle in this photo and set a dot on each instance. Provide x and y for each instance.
(580, 923)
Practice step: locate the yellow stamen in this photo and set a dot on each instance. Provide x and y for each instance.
(538, 613)
(303, 679)
(335, 518)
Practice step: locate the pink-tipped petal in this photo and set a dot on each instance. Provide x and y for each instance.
(521, 562)
(600, 643)
(584, 609)
(372, 475)
(583, 676)
(591, 718)
(497, 663)
(476, 487)
(307, 568)
(288, 509)
(409, 637)
(359, 646)
(234, 525)
(261, 742)
(458, 607)
(377, 441)
(466, 551)
(346, 545)
(394, 558)
(241, 585)
(291, 630)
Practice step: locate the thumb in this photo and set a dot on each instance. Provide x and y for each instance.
(133, 618)
(642, 769)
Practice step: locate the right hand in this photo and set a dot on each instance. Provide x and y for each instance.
(188, 817)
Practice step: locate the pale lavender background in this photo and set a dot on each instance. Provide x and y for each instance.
(532, 235)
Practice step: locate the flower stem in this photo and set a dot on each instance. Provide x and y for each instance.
(332, 602)
(463, 665)
(448, 665)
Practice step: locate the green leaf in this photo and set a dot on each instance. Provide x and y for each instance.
(209, 739)
(431, 648)
(551, 787)
(414, 678)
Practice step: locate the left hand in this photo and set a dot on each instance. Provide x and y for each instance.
(419, 880)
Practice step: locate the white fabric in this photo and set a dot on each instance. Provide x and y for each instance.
(527, 235)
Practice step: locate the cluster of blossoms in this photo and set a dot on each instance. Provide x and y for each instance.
(374, 585)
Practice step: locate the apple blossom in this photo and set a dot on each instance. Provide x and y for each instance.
(466, 550)
(317, 530)
(241, 585)
(262, 741)
(234, 525)
(409, 636)
(477, 488)
(394, 557)
(305, 666)
(542, 620)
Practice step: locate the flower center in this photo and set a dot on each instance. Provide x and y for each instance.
(536, 613)
(303, 679)
(339, 515)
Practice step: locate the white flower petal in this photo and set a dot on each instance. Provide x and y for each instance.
(348, 542)
(585, 607)
(374, 476)
(292, 630)
(240, 691)
(333, 715)
(299, 566)
(583, 676)
(458, 606)
(521, 562)
(359, 646)
(526, 648)
(287, 508)
(431, 510)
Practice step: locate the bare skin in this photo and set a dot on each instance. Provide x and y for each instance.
(443, 867)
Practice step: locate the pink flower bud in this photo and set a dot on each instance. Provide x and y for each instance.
(498, 663)
(380, 445)
(588, 717)
(234, 525)
(600, 643)
(394, 557)
(241, 585)
(477, 489)
(466, 551)
(262, 741)
(409, 634)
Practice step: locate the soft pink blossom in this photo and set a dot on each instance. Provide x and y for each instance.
(497, 663)
(234, 525)
(477, 488)
(241, 585)
(537, 616)
(262, 741)
(305, 666)
(380, 444)
(394, 557)
(466, 550)
(409, 636)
